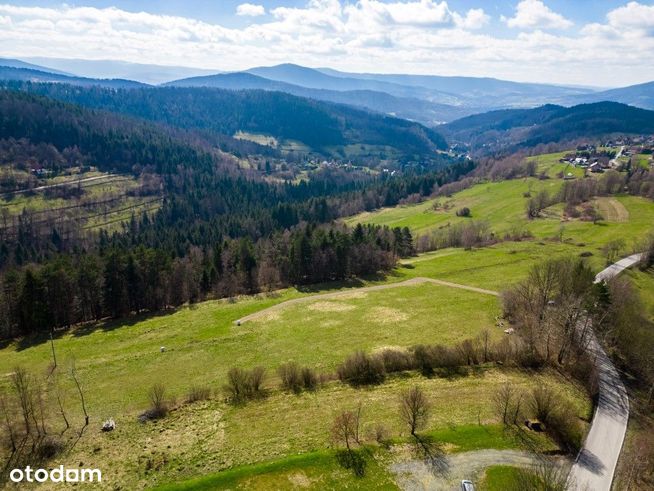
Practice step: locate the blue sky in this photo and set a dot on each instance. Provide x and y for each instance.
(591, 42)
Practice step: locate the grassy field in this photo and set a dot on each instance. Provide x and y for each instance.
(499, 478)
(502, 206)
(117, 363)
(206, 437)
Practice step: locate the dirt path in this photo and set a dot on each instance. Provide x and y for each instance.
(323, 296)
(447, 472)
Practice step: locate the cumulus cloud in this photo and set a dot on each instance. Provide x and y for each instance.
(414, 36)
(632, 16)
(250, 10)
(534, 14)
(474, 19)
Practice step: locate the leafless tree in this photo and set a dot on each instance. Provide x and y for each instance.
(73, 374)
(346, 428)
(503, 400)
(414, 409)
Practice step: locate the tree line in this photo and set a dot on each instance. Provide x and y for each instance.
(116, 282)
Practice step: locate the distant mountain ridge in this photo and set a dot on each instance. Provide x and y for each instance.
(641, 95)
(30, 75)
(516, 128)
(12, 63)
(404, 107)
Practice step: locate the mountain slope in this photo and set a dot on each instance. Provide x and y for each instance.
(30, 75)
(12, 63)
(641, 95)
(470, 88)
(487, 93)
(423, 111)
(324, 127)
(547, 124)
(315, 79)
(145, 73)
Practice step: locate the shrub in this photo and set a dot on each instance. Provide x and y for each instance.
(396, 360)
(243, 384)
(295, 378)
(256, 378)
(309, 378)
(544, 403)
(291, 377)
(362, 369)
(158, 405)
(198, 393)
(463, 212)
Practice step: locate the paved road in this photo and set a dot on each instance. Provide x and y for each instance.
(413, 281)
(446, 472)
(596, 463)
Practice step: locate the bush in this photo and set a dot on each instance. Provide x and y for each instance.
(559, 418)
(396, 361)
(295, 378)
(198, 393)
(463, 212)
(309, 378)
(243, 385)
(361, 369)
(291, 377)
(158, 405)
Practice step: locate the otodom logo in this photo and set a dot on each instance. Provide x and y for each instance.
(58, 474)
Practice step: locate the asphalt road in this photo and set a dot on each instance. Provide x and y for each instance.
(595, 465)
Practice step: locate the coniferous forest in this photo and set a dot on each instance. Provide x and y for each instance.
(221, 229)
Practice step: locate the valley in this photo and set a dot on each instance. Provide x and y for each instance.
(284, 277)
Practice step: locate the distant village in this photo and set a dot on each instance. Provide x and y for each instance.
(619, 154)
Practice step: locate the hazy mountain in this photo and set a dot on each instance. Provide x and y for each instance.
(641, 95)
(487, 93)
(470, 87)
(514, 128)
(315, 79)
(103, 69)
(28, 75)
(8, 62)
(425, 112)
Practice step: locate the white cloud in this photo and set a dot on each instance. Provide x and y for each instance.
(474, 19)
(411, 36)
(534, 14)
(250, 10)
(632, 16)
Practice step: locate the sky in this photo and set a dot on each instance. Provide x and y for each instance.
(604, 43)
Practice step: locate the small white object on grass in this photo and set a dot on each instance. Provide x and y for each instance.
(162, 349)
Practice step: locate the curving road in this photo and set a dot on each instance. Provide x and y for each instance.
(595, 465)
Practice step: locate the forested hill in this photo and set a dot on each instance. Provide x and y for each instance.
(111, 142)
(324, 127)
(219, 231)
(34, 75)
(548, 124)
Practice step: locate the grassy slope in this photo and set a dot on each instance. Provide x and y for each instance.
(118, 362)
(502, 205)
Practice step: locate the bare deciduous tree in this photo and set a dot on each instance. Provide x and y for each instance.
(346, 428)
(414, 409)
